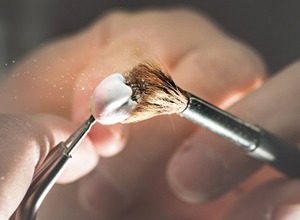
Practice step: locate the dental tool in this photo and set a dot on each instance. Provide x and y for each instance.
(48, 173)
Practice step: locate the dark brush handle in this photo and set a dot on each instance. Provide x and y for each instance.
(255, 141)
(278, 153)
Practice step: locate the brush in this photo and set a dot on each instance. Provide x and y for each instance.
(146, 91)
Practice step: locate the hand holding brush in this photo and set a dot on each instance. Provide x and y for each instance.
(146, 91)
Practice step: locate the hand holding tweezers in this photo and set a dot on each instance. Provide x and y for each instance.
(47, 174)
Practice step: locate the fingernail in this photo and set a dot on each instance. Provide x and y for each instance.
(287, 212)
(195, 174)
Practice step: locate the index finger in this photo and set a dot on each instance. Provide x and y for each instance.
(198, 53)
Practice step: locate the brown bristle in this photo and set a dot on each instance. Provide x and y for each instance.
(154, 91)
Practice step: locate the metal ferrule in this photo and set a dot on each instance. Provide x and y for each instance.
(222, 123)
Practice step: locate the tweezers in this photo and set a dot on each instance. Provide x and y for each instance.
(47, 174)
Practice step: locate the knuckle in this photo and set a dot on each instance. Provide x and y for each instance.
(108, 27)
(245, 62)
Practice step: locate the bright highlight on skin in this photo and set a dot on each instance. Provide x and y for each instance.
(111, 102)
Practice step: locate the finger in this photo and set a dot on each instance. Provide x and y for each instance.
(127, 41)
(84, 158)
(207, 166)
(45, 81)
(134, 37)
(149, 145)
(25, 142)
(276, 200)
(222, 73)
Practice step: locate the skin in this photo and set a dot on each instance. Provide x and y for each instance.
(172, 171)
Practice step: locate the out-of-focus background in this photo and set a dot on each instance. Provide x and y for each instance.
(272, 27)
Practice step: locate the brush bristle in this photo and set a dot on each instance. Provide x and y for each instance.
(154, 91)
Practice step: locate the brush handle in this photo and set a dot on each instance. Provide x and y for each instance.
(256, 142)
(280, 154)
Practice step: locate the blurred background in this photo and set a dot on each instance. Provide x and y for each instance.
(272, 27)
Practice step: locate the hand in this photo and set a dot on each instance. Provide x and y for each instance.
(207, 167)
(133, 185)
(25, 142)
